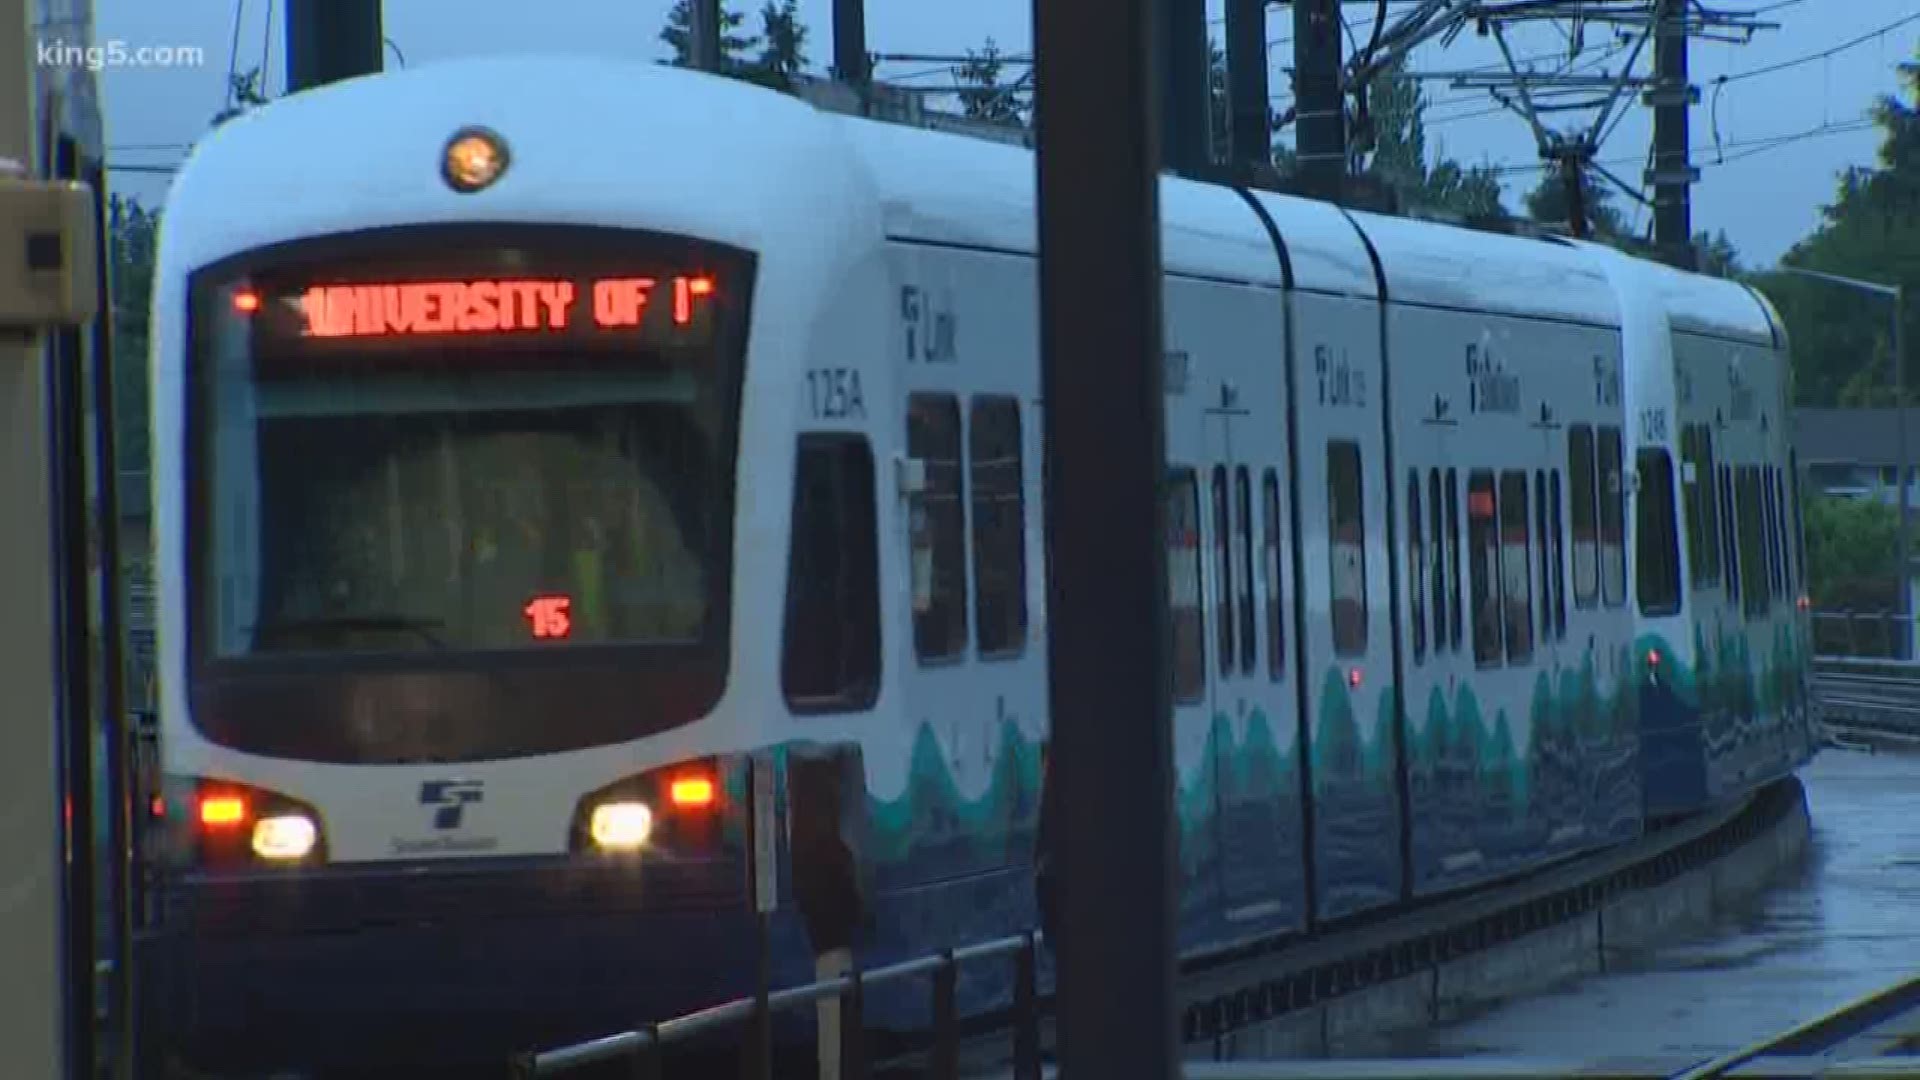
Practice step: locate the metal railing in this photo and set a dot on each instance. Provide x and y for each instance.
(1879, 635)
(644, 1048)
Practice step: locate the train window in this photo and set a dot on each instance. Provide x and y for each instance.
(1780, 532)
(1483, 567)
(1437, 574)
(830, 654)
(1184, 587)
(1798, 525)
(1613, 518)
(999, 526)
(1586, 536)
(1454, 613)
(1557, 555)
(1276, 635)
(938, 527)
(1656, 547)
(1729, 534)
(1540, 535)
(1347, 548)
(1690, 498)
(1416, 569)
(1223, 567)
(1707, 571)
(1752, 554)
(1770, 540)
(1516, 575)
(1243, 513)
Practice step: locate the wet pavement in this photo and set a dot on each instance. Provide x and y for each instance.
(1847, 925)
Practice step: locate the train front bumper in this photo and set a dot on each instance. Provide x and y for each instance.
(444, 963)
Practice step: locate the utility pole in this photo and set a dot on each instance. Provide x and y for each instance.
(703, 35)
(1109, 775)
(1320, 115)
(850, 64)
(1249, 132)
(1672, 97)
(1187, 116)
(331, 40)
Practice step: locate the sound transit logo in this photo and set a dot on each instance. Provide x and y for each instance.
(449, 800)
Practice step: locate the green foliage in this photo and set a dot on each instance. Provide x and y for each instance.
(1396, 135)
(1551, 203)
(1842, 351)
(983, 95)
(773, 58)
(1850, 553)
(133, 235)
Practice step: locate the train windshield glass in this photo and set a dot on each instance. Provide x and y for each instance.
(513, 455)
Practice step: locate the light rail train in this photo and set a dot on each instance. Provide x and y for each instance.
(539, 441)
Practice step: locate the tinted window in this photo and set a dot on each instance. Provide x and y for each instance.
(1557, 555)
(1243, 535)
(1586, 532)
(1656, 548)
(1483, 567)
(1223, 568)
(1276, 574)
(830, 658)
(1613, 539)
(1516, 577)
(1184, 588)
(1347, 551)
(937, 521)
(1416, 570)
(999, 526)
(1437, 574)
(1540, 535)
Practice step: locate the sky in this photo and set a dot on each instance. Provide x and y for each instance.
(1770, 144)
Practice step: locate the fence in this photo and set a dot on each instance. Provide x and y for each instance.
(1884, 635)
(645, 1047)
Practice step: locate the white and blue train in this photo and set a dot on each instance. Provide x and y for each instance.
(538, 441)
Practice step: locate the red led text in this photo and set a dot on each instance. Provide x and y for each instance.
(550, 616)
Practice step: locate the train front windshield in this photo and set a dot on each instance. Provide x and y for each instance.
(505, 452)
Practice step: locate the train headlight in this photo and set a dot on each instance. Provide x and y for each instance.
(285, 837)
(473, 159)
(621, 826)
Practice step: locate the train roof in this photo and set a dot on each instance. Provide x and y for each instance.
(951, 189)
(1701, 304)
(772, 171)
(366, 152)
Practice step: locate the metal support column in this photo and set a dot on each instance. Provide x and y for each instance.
(33, 1024)
(1187, 115)
(1103, 429)
(1320, 116)
(1673, 175)
(331, 40)
(1250, 132)
(703, 34)
(850, 62)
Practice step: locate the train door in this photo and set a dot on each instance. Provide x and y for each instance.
(1256, 862)
(1347, 670)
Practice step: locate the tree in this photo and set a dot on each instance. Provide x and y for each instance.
(1716, 255)
(982, 94)
(1393, 139)
(1841, 339)
(734, 46)
(783, 54)
(1850, 561)
(1550, 203)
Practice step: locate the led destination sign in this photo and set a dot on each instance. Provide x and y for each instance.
(494, 307)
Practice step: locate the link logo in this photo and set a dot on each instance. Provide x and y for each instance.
(449, 799)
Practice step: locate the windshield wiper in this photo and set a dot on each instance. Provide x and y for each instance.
(423, 627)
